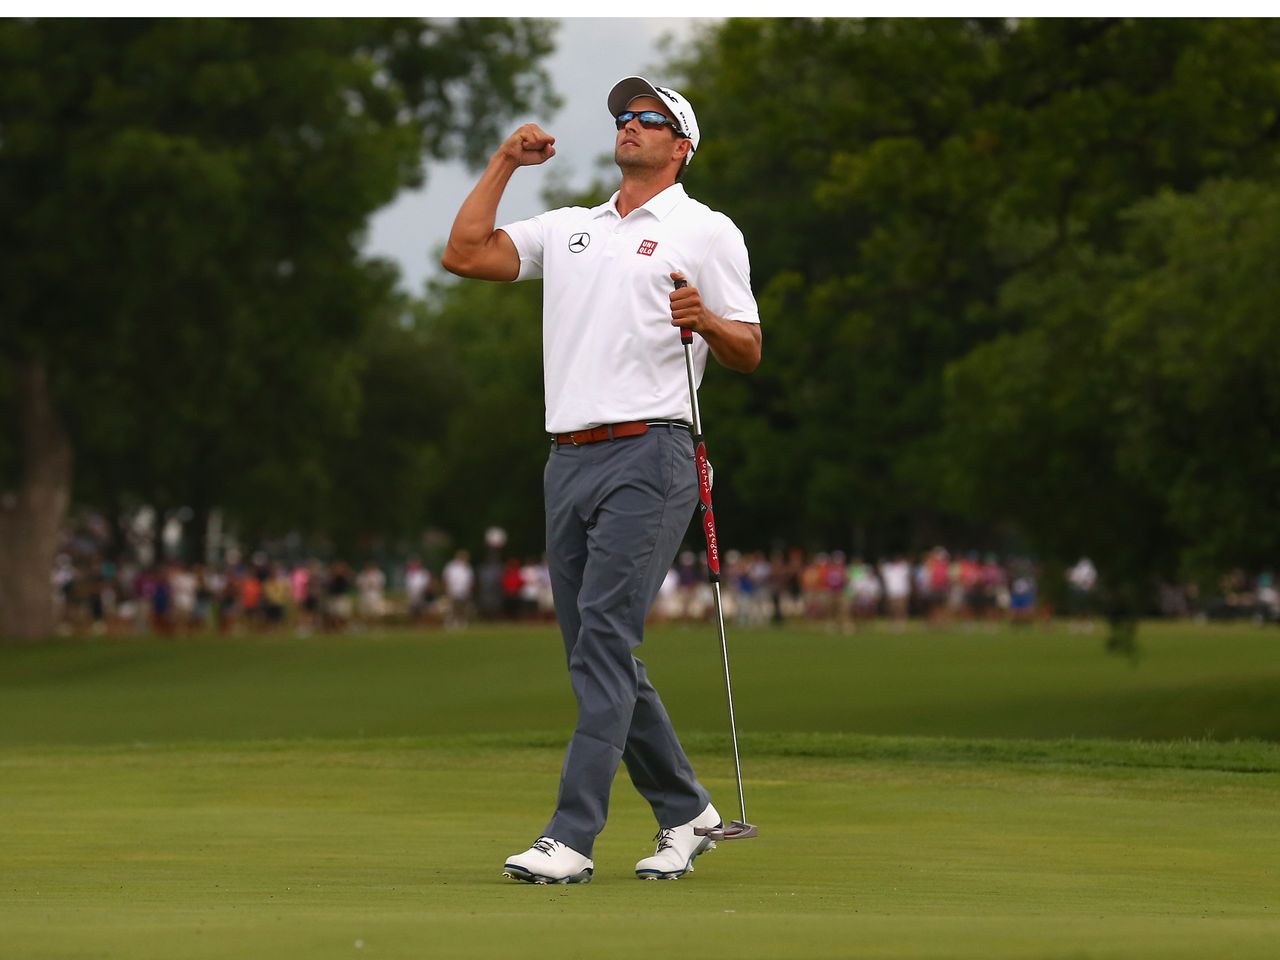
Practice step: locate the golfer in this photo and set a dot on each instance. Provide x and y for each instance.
(620, 481)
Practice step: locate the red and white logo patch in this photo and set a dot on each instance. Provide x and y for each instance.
(647, 247)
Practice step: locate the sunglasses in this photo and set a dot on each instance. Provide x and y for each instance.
(649, 119)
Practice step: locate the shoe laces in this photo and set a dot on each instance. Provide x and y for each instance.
(545, 845)
(663, 839)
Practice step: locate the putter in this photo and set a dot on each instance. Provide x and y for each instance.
(737, 829)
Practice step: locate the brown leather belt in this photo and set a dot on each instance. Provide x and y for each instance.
(612, 431)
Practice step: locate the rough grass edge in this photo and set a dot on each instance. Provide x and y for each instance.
(1234, 756)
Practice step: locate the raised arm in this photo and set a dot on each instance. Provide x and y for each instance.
(475, 249)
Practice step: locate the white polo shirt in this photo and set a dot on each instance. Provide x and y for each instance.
(609, 351)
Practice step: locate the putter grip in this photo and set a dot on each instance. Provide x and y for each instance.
(686, 336)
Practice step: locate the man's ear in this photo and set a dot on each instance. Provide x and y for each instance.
(682, 148)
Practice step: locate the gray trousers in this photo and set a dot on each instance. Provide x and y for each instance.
(617, 511)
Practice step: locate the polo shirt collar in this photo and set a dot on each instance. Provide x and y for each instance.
(660, 206)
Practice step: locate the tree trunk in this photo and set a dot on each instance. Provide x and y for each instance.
(195, 538)
(116, 545)
(32, 515)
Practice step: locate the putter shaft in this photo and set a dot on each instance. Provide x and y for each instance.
(728, 690)
(744, 828)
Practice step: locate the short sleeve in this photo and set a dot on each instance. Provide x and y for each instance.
(724, 278)
(529, 237)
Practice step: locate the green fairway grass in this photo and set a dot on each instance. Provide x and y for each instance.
(943, 794)
(1195, 682)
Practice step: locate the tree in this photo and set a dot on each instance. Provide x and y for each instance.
(861, 257)
(450, 428)
(1135, 421)
(1195, 337)
(1030, 434)
(933, 188)
(180, 272)
(491, 454)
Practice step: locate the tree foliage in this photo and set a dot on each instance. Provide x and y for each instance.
(187, 201)
(184, 204)
(492, 451)
(1195, 333)
(982, 247)
(918, 173)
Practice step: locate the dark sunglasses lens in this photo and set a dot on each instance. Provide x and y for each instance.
(649, 118)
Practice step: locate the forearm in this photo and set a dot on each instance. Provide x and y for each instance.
(733, 343)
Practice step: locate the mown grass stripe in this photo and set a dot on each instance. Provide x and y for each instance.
(1254, 756)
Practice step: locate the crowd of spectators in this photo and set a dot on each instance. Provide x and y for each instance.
(848, 591)
(842, 592)
(262, 595)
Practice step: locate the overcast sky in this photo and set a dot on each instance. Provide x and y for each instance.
(591, 55)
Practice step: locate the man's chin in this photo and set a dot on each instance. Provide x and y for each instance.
(629, 160)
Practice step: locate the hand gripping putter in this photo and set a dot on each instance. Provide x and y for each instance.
(737, 829)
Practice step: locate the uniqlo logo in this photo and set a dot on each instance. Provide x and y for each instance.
(647, 247)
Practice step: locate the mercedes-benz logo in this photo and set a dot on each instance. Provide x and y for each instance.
(579, 242)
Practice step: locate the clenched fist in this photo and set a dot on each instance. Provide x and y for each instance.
(528, 146)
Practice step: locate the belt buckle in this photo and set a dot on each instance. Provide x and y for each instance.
(573, 439)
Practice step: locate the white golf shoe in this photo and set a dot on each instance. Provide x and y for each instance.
(677, 847)
(549, 861)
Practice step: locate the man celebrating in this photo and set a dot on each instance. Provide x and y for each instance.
(620, 481)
